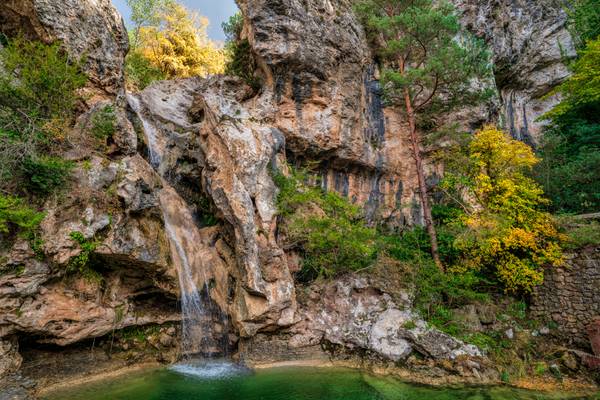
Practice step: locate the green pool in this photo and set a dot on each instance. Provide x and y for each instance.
(226, 382)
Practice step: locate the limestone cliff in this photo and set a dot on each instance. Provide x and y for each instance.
(215, 144)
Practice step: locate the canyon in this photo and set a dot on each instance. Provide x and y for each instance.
(186, 189)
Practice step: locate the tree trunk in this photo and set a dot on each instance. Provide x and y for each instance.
(416, 149)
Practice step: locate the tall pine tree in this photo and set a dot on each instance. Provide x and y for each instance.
(429, 67)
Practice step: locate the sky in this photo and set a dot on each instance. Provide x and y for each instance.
(217, 11)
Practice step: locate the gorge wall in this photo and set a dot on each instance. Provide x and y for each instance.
(219, 143)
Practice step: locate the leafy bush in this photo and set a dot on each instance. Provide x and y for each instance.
(241, 60)
(104, 122)
(46, 174)
(46, 82)
(140, 71)
(38, 94)
(584, 20)
(328, 230)
(15, 215)
(81, 262)
(438, 293)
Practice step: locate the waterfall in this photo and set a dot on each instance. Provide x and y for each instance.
(183, 234)
(149, 130)
(186, 252)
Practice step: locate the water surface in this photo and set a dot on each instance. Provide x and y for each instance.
(227, 382)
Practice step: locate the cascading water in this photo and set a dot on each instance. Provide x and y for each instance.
(149, 130)
(182, 233)
(184, 238)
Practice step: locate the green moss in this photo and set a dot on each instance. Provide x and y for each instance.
(409, 325)
(139, 333)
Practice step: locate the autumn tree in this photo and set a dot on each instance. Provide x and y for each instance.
(169, 41)
(428, 67)
(506, 233)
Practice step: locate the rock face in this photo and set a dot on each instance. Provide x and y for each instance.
(131, 255)
(529, 41)
(321, 80)
(88, 28)
(356, 315)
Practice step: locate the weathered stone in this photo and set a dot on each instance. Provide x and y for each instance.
(10, 359)
(563, 292)
(89, 29)
(529, 41)
(468, 317)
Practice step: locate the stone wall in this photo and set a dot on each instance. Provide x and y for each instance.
(570, 296)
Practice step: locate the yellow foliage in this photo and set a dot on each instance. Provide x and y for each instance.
(179, 46)
(509, 233)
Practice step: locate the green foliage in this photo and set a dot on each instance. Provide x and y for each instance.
(580, 233)
(571, 144)
(141, 72)
(46, 81)
(233, 27)
(584, 20)
(81, 262)
(241, 60)
(438, 293)
(425, 53)
(15, 215)
(46, 174)
(328, 229)
(104, 122)
(38, 94)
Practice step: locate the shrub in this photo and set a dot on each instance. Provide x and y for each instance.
(584, 20)
(140, 72)
(46, 174)
(104, 122)
(241, 60)
(81, 263)
(438, 293)
(38, 94)
(46, 81)
(329, 231)
(16, 216)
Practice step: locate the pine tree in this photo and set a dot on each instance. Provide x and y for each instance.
(428, 67)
